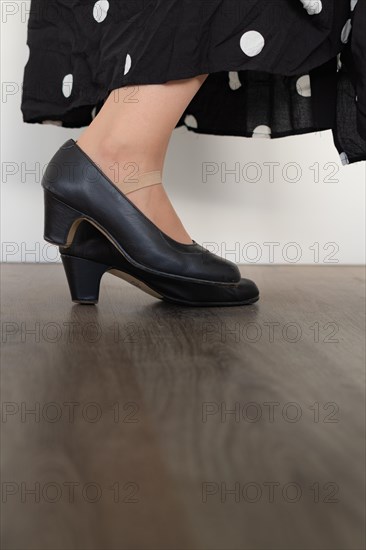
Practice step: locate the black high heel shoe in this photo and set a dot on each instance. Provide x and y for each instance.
(75, 189)
(91, 255)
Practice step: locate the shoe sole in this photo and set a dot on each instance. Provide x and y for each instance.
(145, 288)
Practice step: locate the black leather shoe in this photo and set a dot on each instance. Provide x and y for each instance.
(91, 255)
(75, 189)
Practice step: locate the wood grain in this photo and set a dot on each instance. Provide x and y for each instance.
(152, 386)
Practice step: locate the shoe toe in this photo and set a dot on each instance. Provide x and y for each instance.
(247, 289)
(225, 271)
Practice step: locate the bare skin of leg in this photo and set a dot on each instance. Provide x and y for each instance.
(134, 126)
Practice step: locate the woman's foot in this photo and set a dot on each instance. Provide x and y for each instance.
(155, 204)
(153, 200)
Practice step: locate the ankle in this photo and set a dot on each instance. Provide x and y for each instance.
(119, 160)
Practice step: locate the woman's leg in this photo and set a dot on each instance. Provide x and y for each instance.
(134, 126)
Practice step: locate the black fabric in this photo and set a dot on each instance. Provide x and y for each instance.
(276, 67)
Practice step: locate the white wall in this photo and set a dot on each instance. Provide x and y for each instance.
(311, 212)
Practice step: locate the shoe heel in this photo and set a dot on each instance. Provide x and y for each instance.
(83, 277)
(60, 220)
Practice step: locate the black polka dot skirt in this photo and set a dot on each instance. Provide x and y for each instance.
(276, 67)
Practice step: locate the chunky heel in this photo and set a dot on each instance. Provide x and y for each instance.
(83, 277)
(60, 220)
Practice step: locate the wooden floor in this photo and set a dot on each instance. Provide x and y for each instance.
(136, 424)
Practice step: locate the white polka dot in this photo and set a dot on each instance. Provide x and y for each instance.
(234, 81)
(252, 43)
(100, 10)
(191, 121)
(67, 85)
(339, 62)
(128, 63)
(94, 112)
(344, 158)
(262, 131)
(303, 86)
(53, 122)
(353, 4)
(313, 7)
(346, 31)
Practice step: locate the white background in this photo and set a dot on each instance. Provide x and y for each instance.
(310, 212)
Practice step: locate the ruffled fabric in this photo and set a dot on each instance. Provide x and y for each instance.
(276, 67)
